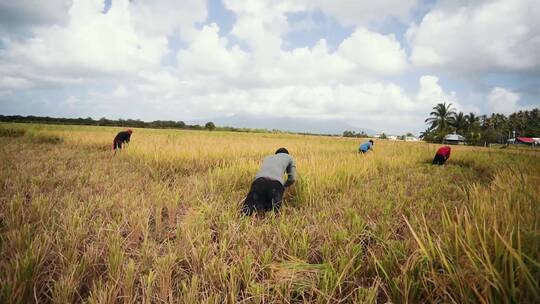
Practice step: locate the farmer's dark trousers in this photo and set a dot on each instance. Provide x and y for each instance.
(117, 145)
(265, 195)
(439, 160)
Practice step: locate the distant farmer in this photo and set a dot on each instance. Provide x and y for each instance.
(121, 138)
(364, 147)
(442, 155)
(266, 191)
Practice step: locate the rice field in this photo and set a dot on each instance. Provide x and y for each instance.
(160, 221)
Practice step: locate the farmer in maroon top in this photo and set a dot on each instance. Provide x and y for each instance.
(121, 138)
(443, 154)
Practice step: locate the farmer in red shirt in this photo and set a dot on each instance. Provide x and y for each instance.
(121, 138)
(442, 155)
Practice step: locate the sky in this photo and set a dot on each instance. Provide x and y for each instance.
(378, 65)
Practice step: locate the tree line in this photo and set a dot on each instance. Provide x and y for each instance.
(480, 129)
(135, 123)
(347, 133)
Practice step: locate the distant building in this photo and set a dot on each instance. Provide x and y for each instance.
(454, 139)
(411, 138)
(392, 137)
(524, 141)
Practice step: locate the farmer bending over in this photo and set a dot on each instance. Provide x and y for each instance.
(365, 147)
(121, 138)
(266, 191)
(443, 154)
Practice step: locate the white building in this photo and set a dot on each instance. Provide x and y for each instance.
(411, 138)
(454, 139)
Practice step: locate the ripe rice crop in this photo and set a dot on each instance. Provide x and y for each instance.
(159, 222)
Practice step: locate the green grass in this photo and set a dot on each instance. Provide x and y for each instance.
(160, 221)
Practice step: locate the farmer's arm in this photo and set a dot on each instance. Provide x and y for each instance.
(291, 173)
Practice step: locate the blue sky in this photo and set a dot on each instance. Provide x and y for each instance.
(345, 63)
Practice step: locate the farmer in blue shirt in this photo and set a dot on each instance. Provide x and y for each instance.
(364, 147)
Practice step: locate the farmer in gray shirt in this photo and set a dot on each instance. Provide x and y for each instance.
(266, 191)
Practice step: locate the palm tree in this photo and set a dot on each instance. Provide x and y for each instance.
(459, 122)
(426, 134)
(473, 122)
(441, 118)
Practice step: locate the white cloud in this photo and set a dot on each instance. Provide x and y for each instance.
(164, 17)
(482, 35)
(72, 101)
(378, 105)
(120, 92)
(362, 12)
(261, 24)
(503, 101)
(92, 44)
(208, 54)
(214, 75)
(374, 53)
(353, 103)
(304, 24)
(28, 13)
(303, 66)
(130, 38)
(365, 55)
(128, 52)
(5, 95)
(7, 82)
(431, 93)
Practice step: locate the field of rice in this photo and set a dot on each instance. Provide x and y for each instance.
(160, 221)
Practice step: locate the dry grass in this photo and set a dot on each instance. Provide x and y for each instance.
(160, 222)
